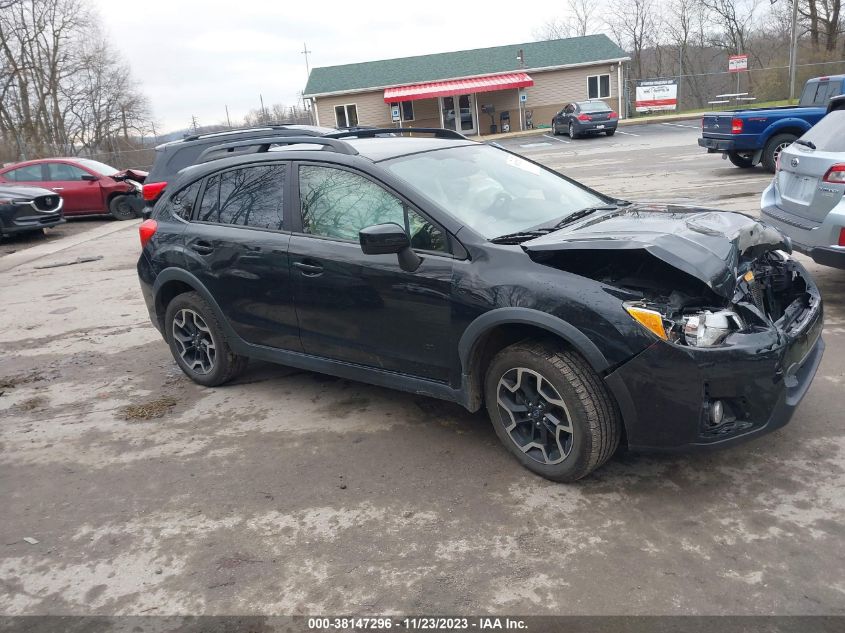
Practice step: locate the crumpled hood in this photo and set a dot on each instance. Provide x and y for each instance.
(704, 243)
(132, 174)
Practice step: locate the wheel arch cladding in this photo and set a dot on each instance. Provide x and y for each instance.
(496, 329)
(171, 282)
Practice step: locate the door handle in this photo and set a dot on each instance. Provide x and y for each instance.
(309, 270)
(202, 247)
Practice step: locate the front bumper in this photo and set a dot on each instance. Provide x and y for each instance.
(666, 391)
(24, 223)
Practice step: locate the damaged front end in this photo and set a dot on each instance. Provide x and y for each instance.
(736, 321)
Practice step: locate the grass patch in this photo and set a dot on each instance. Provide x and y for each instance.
(148, 410)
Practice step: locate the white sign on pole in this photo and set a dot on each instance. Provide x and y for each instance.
(737, 63)
(394, 113)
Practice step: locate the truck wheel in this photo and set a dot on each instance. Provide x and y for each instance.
(743, 160)
(551, 410)
(774, 147)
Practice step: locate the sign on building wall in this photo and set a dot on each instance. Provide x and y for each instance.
(656, 94)
(737, 63)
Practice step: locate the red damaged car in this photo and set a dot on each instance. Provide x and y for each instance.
(87, 187)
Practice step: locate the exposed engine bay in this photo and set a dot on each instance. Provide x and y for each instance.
(682, 309)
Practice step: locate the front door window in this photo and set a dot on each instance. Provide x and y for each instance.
(459, 113)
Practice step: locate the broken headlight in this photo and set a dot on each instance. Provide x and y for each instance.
(705, 328)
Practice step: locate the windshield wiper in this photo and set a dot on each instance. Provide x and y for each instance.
(582, 213)
(809, 144)
(521, 236)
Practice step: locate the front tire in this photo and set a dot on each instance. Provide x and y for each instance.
(774, 147)
(744, 161)
(197, 342)
(551, 411)
(121, 209)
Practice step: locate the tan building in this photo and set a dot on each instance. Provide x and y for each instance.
(506, 88)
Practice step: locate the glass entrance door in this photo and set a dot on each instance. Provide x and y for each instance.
(459, 113)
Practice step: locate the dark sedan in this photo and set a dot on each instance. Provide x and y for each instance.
(585, 117)
(24, 209)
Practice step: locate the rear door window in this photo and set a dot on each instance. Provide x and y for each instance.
(30, 173)
(249, 196)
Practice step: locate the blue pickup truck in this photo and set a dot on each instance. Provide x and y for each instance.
(751, 136)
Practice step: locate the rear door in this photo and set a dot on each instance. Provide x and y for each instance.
(237, 246)
(365, 309)
(80, 196)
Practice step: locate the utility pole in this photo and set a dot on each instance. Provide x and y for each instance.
(306, 52)
(228, 121)
(263, 111)
(793, 52)
(194, 123)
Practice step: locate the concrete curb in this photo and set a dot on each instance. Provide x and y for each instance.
(13, 260)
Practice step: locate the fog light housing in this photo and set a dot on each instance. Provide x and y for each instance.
(717, 413)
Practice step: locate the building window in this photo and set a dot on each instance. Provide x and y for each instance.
(407, 109)
(346, 115)
(598, 87)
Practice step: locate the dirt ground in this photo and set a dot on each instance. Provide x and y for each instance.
(295, 493)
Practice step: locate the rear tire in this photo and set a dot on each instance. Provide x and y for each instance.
(572, 133)
(743, 161)
(551, 410)
(197, 341)
(610, 132)
(121, 209)
(774, 147)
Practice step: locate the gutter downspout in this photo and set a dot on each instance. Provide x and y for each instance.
(315, 110)
(619, 89)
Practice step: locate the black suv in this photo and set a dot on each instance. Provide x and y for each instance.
(458, 270)
(172, 157)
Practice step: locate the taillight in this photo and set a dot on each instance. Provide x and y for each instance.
(152, 190)
(613, 115)
(736, 126)
(584, 117)
(147, 230)
(836, 174)
(841, 237)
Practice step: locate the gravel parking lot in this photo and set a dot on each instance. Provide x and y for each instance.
(291, 492)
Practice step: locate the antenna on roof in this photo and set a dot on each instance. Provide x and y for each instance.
(520, 57)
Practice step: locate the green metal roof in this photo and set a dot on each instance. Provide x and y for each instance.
(479, 61)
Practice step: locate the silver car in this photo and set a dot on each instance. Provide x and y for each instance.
(806, 198)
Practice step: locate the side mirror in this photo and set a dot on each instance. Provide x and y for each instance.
(89, 177)
(383, 239)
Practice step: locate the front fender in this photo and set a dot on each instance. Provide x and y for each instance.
(528, 316)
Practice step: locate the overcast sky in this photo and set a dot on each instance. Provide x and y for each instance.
(195, 57)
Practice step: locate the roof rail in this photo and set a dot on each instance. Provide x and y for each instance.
(261, 145)
(371, 132)
(237, 130)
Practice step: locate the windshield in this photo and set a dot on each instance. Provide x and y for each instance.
(100, 168)
(490, 190)
(828, 135)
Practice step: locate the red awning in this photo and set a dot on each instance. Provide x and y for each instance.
(457, 87)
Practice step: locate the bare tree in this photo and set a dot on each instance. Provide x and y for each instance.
(578, 20)
(63, 88)
(633, 24)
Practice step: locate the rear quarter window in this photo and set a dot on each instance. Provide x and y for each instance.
(181, 204)
(828, 135)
